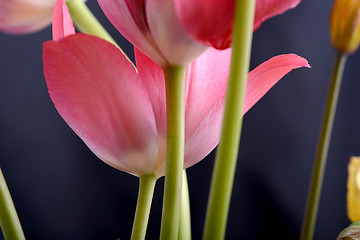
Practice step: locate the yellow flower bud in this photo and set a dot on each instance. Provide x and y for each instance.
(345, 25)
(353, 189)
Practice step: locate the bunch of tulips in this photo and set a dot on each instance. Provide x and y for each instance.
(186, 93)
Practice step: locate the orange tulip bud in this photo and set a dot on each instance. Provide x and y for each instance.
(345, 25)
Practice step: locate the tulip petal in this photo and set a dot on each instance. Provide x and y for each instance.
(99, 94)
(174, 43)
(25, 16)
(267, 74)
(202, 140)
(153, 79)
(266, 9)
(211, 21)
(204, 104)
(62, 24)
(129, 17)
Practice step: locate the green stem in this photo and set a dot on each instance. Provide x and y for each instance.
(175, 113)
(9, 220)
(322, 150)
(86, 22)
(185, 217)
(226, 156)
(146, 191)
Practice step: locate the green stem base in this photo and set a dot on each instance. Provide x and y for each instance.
(146, 191)
(9, 220)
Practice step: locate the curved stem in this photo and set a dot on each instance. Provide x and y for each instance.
(226, 155)
(86, 22)
(322, 150)
(175, 113)
(185, 216)
(9, 220)
(146, 191)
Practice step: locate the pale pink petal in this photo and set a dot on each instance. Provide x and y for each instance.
(62, 25)
(25, 16)
(99, 94)
(174, 43)
(129, 17)
(211, 21)
(206, 135)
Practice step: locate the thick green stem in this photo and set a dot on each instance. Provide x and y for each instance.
(146, 191)
(226, 156)
(185, 216)
(86, 22)
(9, 220)
(322, 150)
(175, 113)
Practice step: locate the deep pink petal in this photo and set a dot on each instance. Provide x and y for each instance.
(62, 24)
(129, 17)
(266, 9)
(21, 17)
(202, 140)
(99, 94)
(210, 21)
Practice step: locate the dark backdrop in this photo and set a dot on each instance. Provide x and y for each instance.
(62, 191)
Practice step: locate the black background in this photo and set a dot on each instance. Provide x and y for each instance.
(62, 191)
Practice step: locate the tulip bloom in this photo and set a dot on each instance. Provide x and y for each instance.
(153, 28)
(211, 21)
(119, 110)
(25, 16)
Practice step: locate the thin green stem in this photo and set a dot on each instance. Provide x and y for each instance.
(175, 113)
(226, 156)
(146, 191)
(185, 216)
(9, 220)
(86, 22)
(312, 205)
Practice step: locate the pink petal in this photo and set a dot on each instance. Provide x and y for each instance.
(202, 140)
(266, 9)
(153, 28)
(208, 77)
(211, 21)
(153, 80)
(62, 24)
(267, 74)
(21, 17)
(174, 43)
(129, 17)
(99, 94)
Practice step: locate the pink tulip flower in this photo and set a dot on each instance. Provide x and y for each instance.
(210, 21)
(25, 16)
(118, 109)
(153, 28)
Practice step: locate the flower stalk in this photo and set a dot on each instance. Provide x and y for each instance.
(86, 22)
(9, 220)
(226, 155)
(175, 112)
(312, 205)
(185, 216)
(146, 191)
